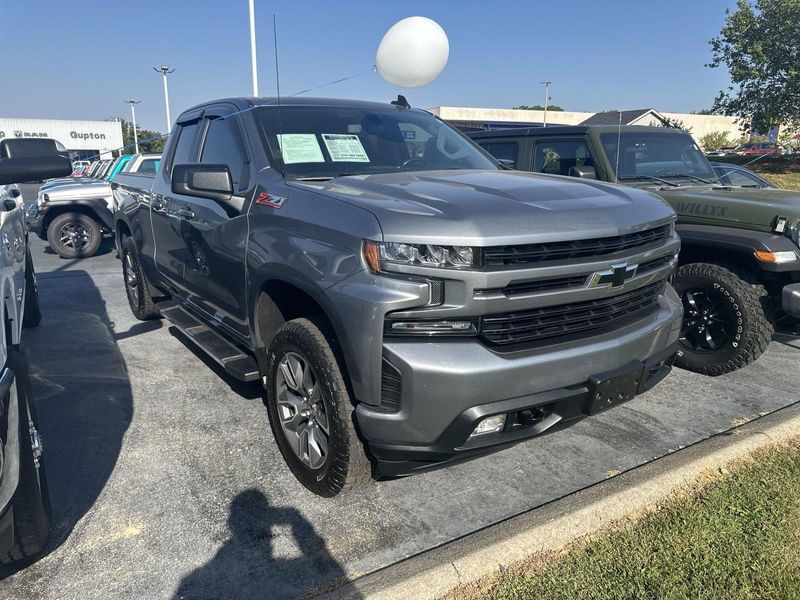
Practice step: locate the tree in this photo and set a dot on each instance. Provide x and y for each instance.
(674, 124)
(553, 107)
(714, 140)
(760, 46)
(153, 145)
(704, 111)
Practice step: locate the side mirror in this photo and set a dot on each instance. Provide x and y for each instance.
(507, 163)
(203, 180)
(31, 159)
(584, 172)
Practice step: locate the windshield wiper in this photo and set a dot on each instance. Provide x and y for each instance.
(647, 178)
(687, 176)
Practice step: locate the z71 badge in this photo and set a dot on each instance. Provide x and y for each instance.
(266, 199)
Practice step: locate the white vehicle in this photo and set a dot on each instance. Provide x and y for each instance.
(24, 499)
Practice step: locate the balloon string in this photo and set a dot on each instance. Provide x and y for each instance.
(349, 77)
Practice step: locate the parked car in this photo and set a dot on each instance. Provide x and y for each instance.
(74, 217)
(735, 175)
(78, 167)
(754, 148)
(740, 259)
(24, 499)
(390, 285)
(724, 151)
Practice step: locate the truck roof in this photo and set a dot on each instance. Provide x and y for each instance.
(566, 130)
(244, 102)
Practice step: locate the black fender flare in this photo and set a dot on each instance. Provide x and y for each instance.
(98, 206)
(739, 240)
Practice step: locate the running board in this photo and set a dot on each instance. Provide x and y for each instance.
(235, 361)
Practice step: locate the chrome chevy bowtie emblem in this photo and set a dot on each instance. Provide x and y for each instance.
(614, 277)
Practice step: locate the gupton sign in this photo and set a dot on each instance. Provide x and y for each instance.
(101, 136)
(75, 135)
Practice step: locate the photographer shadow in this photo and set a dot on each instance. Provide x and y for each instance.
(247, 565)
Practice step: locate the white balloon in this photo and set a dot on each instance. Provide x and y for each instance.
(413, 52)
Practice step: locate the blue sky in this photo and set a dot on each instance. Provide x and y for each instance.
(82, 59)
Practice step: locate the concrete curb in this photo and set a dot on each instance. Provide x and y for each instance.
(433, 573)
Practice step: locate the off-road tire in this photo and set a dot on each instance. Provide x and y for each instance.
(32, 315)
(142, 305)
(749, 301)
(347, 466)
(31, 501)
(75, 219)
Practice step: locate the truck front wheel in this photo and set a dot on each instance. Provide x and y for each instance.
(74, 235)
(725, 325)
(311, 413)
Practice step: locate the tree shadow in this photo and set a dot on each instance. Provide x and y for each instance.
(82, 394)
(249, 566)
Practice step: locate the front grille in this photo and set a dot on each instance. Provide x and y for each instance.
(551, 322)
(499, 256)
(564, 283)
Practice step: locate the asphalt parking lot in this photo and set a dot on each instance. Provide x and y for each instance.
(166, 482)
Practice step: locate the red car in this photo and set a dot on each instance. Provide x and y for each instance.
(757, 148)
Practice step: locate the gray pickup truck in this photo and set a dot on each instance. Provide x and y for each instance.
(404, 300)
(73, 215)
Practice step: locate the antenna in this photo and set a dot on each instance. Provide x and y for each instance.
(278, 89)
(619, 149)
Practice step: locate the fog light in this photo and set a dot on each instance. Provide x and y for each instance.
(490, 425)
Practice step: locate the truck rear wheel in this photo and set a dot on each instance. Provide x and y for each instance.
(31, 502)
(311, 413)
(136, 288)
(725, 325)
(74, 235)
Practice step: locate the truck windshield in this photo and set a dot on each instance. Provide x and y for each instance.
(650, 155)
(322, 142)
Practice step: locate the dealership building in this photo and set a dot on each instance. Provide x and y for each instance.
(83, 139)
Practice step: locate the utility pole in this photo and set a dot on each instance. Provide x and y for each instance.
(165, 70)
(253, 47)
(133, 103)
(546, 85)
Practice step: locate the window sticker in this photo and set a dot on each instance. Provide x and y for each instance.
(300, 148)
(344, 147)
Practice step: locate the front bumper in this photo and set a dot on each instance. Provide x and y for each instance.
(790, 297)
(448, 387)
(35, 222)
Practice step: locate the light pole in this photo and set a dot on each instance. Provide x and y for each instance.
(133, 103)
(253, 47)
(546, 85)
(165, 70)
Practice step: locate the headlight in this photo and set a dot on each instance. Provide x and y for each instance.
(379, 254)
(42, 198)
(794, 232)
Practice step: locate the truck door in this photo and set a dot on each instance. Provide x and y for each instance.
(169, 227)
(214, 272)
(12, 232)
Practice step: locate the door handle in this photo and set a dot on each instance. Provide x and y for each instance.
(157, 203)
(186, 212)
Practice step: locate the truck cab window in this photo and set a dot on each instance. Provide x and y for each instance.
(556, 157)
(221, 147)
(502, 150)
(183, 149)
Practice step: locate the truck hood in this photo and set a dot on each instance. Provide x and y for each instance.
(732, 206)
(96, 189)
(487, 207)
